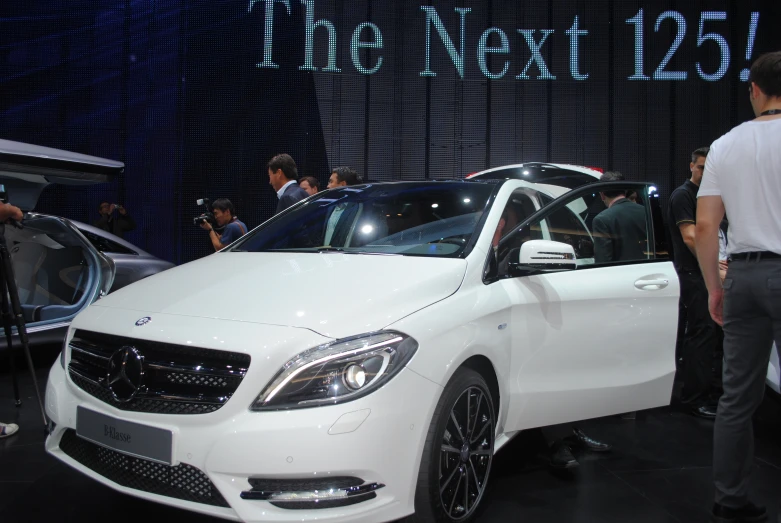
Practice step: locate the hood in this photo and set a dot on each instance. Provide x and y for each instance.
(27, 169)
(333, 294)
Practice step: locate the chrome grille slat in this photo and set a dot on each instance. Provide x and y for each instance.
(88, 353)
(191, 368)
(173, 397)
(75, 370)
(177, 379)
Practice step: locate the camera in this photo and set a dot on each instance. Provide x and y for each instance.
(207, 216)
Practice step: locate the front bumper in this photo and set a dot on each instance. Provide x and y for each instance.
(378, 438)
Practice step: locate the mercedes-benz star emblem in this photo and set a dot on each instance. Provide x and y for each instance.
(125, 373)
(143, 321)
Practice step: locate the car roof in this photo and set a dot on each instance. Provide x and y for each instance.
(562, 175)
(26, 169)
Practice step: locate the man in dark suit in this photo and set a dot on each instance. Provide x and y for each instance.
(620, 231)
(282, 175)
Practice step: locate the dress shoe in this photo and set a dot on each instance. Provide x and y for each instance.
(581, 440)
(704, 412)
(748, 513)
(561, 457)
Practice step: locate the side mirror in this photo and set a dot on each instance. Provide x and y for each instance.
(544, 255)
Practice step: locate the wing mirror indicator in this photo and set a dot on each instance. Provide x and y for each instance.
(545, 255)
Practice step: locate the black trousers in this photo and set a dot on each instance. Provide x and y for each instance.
(701, 347)
(752, 321)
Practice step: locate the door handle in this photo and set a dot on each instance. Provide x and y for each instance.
(651, 285)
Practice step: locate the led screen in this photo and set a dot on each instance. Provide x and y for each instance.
(195, 97)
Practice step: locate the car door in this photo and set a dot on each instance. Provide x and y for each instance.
(57, 272)
(596, 340)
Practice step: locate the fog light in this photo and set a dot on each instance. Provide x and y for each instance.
(355, 377)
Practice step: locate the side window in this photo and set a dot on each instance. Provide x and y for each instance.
(565, 226)
(104, 244)
(519, 207)
(602, 228)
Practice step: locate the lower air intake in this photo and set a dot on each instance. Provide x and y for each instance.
(181, 482)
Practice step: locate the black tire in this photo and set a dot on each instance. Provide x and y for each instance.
(446, 462)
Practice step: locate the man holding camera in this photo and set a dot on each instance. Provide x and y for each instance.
(225, 217)
(118, 225)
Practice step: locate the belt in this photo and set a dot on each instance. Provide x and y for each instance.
(756, 255)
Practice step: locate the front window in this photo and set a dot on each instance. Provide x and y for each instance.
(415, 219)
(598, 234)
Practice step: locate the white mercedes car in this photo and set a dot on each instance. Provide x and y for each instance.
(362, 356)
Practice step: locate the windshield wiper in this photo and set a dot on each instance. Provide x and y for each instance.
(325, 248)
(332, 249)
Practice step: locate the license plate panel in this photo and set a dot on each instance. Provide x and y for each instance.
(127, 437)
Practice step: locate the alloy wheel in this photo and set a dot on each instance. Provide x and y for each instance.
(466, 453)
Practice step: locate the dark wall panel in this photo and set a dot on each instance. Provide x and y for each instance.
(179, 91)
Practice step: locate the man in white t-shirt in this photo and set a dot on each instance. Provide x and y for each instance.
(743, 177)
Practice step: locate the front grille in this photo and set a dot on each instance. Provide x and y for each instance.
(176, 379)
(181, 482)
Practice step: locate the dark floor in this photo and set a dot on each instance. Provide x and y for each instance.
(659, 471)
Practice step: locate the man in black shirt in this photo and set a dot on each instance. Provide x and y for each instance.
(700, 341)
(116, 225)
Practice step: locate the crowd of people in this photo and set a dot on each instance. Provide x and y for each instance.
(283, 178)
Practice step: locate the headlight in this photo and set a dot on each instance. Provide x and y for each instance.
(339, 371)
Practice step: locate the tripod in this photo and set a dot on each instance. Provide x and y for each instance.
(11, 310)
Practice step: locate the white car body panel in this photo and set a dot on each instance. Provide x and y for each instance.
(323, 293)
(564, 346)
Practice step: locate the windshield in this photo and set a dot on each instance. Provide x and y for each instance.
(416, 219)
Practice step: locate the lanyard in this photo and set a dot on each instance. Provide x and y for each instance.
(770, 112)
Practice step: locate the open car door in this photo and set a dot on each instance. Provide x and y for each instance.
(58, 271)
